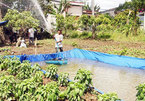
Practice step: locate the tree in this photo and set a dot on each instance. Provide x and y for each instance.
(96, 8)
(65, 23)
(2, 36)
(134, 5)
(70, 23)
(84, 22)
(100, 22)
(60, 21)
(18, 20)
(63, 7)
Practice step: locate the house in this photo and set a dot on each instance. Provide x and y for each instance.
(141, 16)
(75, 9)
(111, 12)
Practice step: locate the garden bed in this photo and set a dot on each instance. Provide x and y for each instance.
(20, 81)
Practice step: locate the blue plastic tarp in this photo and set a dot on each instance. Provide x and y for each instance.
(3, 23)
(118, 60)
(107, 58)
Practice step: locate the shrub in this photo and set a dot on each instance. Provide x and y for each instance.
(74, 34)
(85, 35)
(74, 44)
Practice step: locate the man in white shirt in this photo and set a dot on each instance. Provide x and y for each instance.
(31, 36)
(58, 41)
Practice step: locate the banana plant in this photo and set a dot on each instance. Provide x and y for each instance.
(51, 72)
(48, 92)
(83, 76)
(7, 85)
(63, 79)
(75, 91)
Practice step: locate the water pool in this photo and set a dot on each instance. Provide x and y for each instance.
(108, 78)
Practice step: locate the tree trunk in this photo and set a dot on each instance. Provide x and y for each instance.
(65, 32)
(93, 32)
(135, 28)
(2, 36)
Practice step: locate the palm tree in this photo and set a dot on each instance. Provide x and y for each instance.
(63, 7)
(96, 8)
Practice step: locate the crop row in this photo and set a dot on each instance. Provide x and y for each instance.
(23, 82)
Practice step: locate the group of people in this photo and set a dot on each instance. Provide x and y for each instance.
(31, 38)
(31, 34)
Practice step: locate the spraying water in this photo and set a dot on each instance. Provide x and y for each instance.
(38, 7)
(39, 11)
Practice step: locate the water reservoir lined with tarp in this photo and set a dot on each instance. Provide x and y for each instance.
(106, 77)
(117, 60)
(111, 73)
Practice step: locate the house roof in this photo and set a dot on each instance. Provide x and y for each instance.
(71, 2)
(77, 3)
(112, 9)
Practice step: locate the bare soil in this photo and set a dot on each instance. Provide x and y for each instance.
(112, 47)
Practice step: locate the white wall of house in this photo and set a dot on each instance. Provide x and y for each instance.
(142, 19)
(75, 10)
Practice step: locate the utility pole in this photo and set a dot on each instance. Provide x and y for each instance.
(144, 20)
(92, 6)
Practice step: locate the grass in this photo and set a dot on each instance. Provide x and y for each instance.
(117, 44)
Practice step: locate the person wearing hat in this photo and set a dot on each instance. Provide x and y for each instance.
(58, 41)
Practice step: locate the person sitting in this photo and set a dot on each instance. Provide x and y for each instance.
(23, 44)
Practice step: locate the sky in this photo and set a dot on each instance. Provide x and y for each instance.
(108, 4)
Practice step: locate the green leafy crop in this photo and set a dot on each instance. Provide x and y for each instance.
(14, 66)
(108, 97)
(48, 92)
(63, 79)
(141, 92)
(75, 91)
(26, 71)
(26, 89)
(7, 84)
(5, 64)
(51, 71)
(84, 77)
